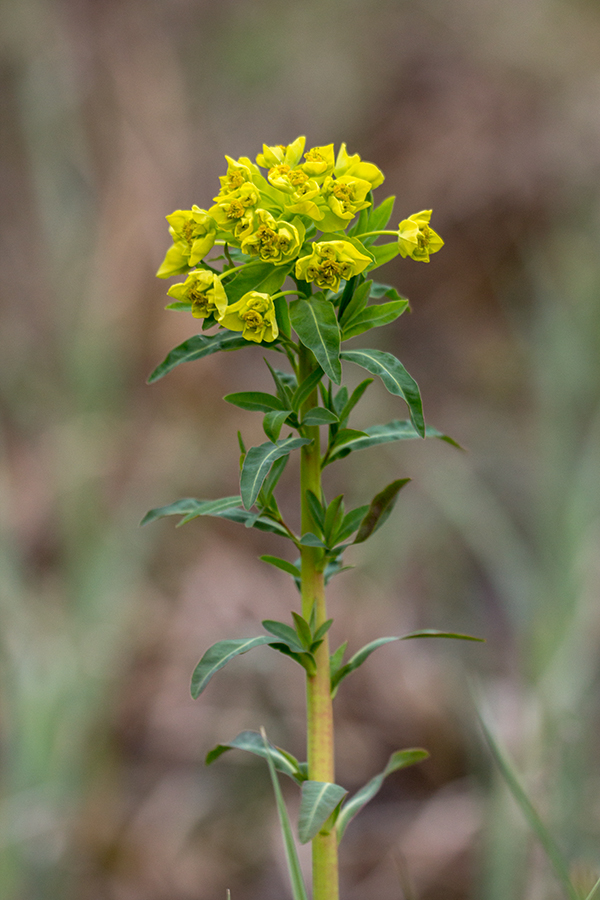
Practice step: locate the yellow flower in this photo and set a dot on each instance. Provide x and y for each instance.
(254, 316)
(275, 241)
(345, 196)
(230, 211)
(355, 168)
(329, 262)
(193, 232)
(239, 172)
(203, 289)
(319, 161)
(289, 155)
(416, 239)
(304, 192)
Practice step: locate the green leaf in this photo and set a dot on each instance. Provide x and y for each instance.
(354, 399)
(318, 415)
(316, 509)
(398, 760)
(397, 430)
(379, 510)
(285, 633)
(395, 378)
(190, 508)
(257, 463)
(196, 347)
(180, 305)
(282, 564)
(434, 633)
(218, 656)
(304, 390)
(383, 253)
(336, 658)
(333, 518)
(356, 303)
(303, 630)
(283, 383)
(346, 295)
(594, 891)
(380, 290)
(351, 522)
(342, 437)
(381, 215)
(322, 630)
(298, 888)
(258, 276)
(282, 314)
(258, 401)
(311, 540)
(252, 742)
(273, 423)
(319, 799)
(306, 660)
(357, 660)
(263, 523)
(315, 323)
(374, 317)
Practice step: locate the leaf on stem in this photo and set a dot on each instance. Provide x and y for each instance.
(379, 510)
(273, 423)
(282, 564)
(190, 508)
(218, 656)
(374, 317)
(257, 463)
(252, 742)
(318, 415)
(315, 322)
(304, 390)
(196, 347)
(395, 378)
(258, 401)
(398, 760)
(319, 799)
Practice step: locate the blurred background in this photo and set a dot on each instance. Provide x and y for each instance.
(113, 114)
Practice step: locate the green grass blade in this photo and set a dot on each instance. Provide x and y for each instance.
(594, 891)
(298, 887)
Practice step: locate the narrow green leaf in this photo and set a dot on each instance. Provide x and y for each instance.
(304, 659)
(553, 852)
(298, 888)
(395, 378)
(351, 522)
(333, 518)
(343, 437)
(258, 276)
(255, 400)
(336, 658)
(322, 630)
(397, 430)
(374, 317)
(379, 510)
(282, 564)
(347, 293)
(381, 215)
(356, 303)
(180, 305)
(190, 508)
(354, 399)
(311, 540)
(304, 390)
(383, 253)
(282, 314)
(318, 415)
(257, 463)
(303, 630)
(316, 509)
(594, 892)
(315, 322)
(399, 760)
(263, 523)
(196, 347)
(273, 423)
(340, 400)
(218, 656)
(358, 659)
(252, 742)
(284, 382)
(285, 633)
(380, 290)
(319, 799)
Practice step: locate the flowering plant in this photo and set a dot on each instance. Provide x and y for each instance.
(312, 224)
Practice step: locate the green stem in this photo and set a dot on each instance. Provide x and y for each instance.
(371, 233)
(318, 686)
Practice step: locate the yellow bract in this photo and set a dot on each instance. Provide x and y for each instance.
(203, 289)
(193, 232)
(275, 241)
(329, 262)
(416, 239)
(254, 316)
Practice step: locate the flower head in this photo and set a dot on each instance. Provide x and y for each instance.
(203, 289)
(275, 241)
(239, 172)
(254, 316)
(319, 161)
(329, 262)
(231, 210)
(416, 239)
(289, 155)
(345, 196)
(193, 232)
(354, 167)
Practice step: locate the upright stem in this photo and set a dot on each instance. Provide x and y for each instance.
(318, 688)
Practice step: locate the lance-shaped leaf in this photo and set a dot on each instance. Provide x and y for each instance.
(374, 317)
(379, 510)
(196, 347)
(257, 463)
(189, 508)
(399, 760)
(383, 253)
(273, 423)
(397, 430)
(258, 276)
(319, 799)
(258, 401)
(252, 742)
(318, 415)
(379, 216)
(356, 302)
(358, 659)
(291, 854)
(263, 523)
(304, 390)
(315, 322)
(218, 656)
(285, 633)
(395, 378)
(282, 564)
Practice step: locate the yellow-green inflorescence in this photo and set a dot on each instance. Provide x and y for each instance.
(295, 213)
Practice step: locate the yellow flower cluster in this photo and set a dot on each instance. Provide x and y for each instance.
(268, 219)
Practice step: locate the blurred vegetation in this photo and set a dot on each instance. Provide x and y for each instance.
(116, 113)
